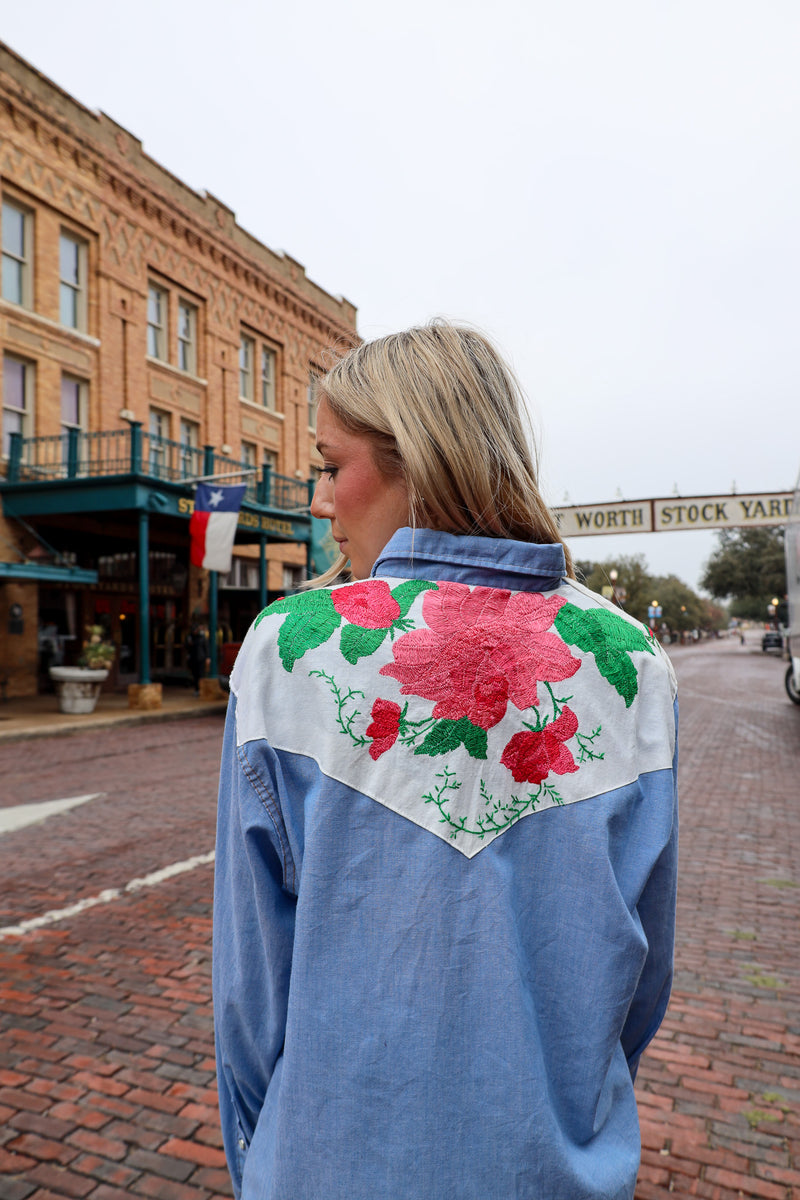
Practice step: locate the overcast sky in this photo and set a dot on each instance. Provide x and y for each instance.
(610, 189)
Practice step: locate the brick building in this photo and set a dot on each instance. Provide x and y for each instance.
(147, 341)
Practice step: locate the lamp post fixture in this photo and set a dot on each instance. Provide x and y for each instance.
(654, 612)
(772, 609)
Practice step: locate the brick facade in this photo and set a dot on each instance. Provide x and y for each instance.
(82, 182)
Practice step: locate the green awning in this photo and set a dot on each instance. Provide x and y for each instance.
(46, 573)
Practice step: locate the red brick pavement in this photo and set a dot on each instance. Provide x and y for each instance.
(719, 1089)
(106, 1068)
(107, 1081)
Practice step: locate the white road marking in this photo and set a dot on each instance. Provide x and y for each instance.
(106, 896)
(20, 815)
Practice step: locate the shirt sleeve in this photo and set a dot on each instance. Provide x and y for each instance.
(254, 914)
(656, 913)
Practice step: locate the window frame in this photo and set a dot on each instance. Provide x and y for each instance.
(78, 290)
(267, 378)
(160, 329)
(190, 447)
(249, 454)
(83, 402)
(29, 397)
(247, 349)
(24, 263)
(313, 399)
(186, 306)
(157, 457)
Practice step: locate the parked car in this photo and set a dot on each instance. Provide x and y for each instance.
(772, 640)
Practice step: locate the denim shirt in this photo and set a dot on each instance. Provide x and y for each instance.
(445, 883)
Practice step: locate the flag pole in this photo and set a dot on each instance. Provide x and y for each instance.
(213, 584)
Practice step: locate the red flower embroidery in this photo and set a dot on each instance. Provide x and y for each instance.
(369, 605)
(483, 647)
(530, 757)
(384, 728)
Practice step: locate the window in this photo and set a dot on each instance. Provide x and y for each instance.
(72, 286)
(268, 378)
(250, 455)
(258, 372)
(187, 337)
(18, 381)
(243, 574)
(157, 322)
(159, 432)
(17, 254)
(271, 459)
(190, 448)
(293, 577)
(313, 400)
(73, 403)
(246, 355)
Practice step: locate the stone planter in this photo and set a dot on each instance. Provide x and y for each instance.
(77, 687)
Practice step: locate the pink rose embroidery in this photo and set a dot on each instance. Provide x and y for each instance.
(369, 604)
(384, 728)
(483, 647)
(530, 756)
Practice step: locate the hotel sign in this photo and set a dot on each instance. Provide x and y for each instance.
(675, 513)
(258, 522)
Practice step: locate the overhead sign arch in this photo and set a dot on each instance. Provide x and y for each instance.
(675, 513)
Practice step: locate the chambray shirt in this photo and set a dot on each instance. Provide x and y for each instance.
(416, 1000)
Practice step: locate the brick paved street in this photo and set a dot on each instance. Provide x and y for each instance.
(719, 1089)
(107, 1083)
(106, 1067)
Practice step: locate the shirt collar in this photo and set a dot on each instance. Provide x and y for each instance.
(462, 558)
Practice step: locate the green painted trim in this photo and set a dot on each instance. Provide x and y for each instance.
(44, 574)
(136, 494)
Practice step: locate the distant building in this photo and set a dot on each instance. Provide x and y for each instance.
(147, 340)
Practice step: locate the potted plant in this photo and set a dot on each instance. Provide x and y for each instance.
(79, 686)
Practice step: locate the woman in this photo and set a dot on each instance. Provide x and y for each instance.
(447, 835)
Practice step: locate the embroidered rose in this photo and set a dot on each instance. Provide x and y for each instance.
(384, 728)
(531, 756)
(370, 604)
(483, 647)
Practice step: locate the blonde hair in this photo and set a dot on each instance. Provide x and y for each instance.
(443, 409)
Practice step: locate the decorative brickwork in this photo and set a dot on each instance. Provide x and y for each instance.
(167, 283)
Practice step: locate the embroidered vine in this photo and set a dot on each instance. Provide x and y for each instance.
(343, 720)
(585, 740)
(500, 816)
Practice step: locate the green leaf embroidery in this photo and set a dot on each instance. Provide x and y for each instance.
(610, 639)
(449, 735)
(311, 620)
(356, 643)
(406, 593)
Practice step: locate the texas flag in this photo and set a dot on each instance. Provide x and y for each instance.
(212, 525)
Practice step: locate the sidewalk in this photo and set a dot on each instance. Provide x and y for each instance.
(39, 716)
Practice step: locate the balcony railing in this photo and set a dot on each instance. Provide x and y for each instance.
(134, 451)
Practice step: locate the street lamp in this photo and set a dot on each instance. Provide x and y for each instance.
(617, 595)
(654, 611)
(772, 609)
